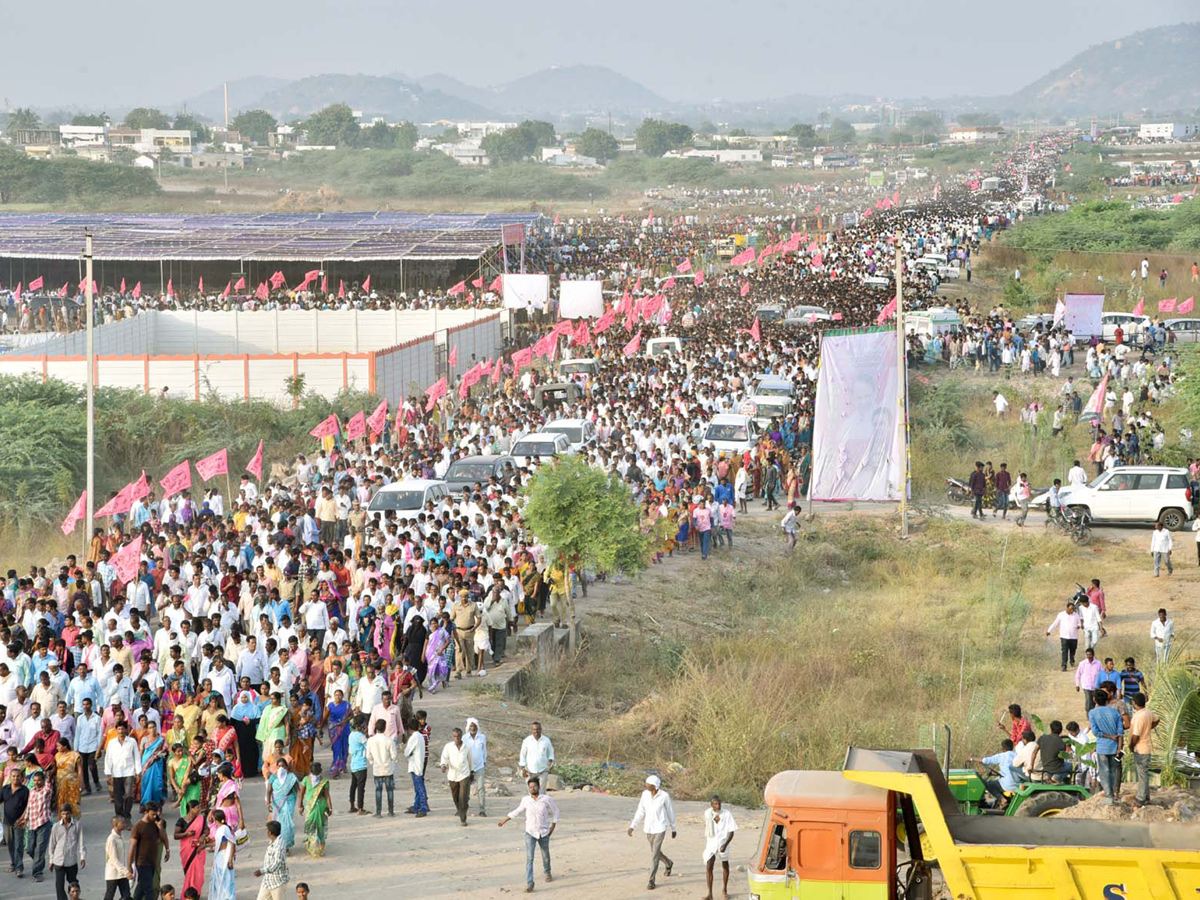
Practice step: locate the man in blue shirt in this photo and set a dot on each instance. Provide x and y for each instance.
(1109, 730)
(358, 764)
(1009, 779)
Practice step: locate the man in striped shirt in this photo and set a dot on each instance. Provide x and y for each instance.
(274, 872)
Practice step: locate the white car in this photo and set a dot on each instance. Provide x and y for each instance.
(1135, 494)
(767, 385)
(579, 366)
(768, 408)
(539, 445)
(407, 498)
(659, 345)
(580, 433)
(1186, 331)
(733, 433)
(1131, 326)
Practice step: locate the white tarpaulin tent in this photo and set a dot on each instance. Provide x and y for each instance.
(526, 291)
(858, 450)
(581, 299)
(1083, 313)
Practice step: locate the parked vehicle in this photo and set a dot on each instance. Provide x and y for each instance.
(1131, 326)
(407, 499)
(769, 312)
(556, 392)
(806, 315)
(580, 433)
(1073, 524)
(472, 470)
(769, 408)
(766, 385)
(582, 366)
(659, 345)
(935, 320)
(1133, 494)
(957, 491)
(539, 445)
(731, 432)
(1186, 331)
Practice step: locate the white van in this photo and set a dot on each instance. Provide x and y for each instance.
(539, 445)
(768, 385)
(935, 320)
(407, 498)
(769, 407)
(584, 365)
(1135, 494)
(731, 433)
(660, 345)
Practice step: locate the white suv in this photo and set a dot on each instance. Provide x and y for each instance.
(1135, 494)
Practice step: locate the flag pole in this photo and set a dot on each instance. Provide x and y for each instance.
(901, 387)
(89, 301)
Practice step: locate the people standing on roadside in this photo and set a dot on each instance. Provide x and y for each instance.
(1162, 630)
(719, 826)
(977, 484)
(656, 811)
(1067, 622)
(1105, 723)
(1087, 676)
(358, 764)
(541, 818)
(416, 751)
(456, 764)
(381, 754)
(1141, 744)
(1160, 548)
(476, 742)
(537, 756)
(1003, 486)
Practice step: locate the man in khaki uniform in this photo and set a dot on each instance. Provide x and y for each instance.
(465, 615)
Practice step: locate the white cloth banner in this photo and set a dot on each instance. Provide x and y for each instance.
(526, 291)
(581, 299)
(858, 450)
(1082, 316)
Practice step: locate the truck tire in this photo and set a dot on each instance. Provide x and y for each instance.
(1046, 803)
(1172, 519)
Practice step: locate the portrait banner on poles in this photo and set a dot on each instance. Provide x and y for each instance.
(858, 450)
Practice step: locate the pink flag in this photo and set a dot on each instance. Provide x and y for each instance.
(341, 289)
(746, 256)
(459, 288)
(312, 275)
(1166, 305)
(125, 561)
(77, 512)
(556, 218)
(170, 288)
(328, 427)
(497, 283)
(452, 359)
(545, 344)
(632, 347)
(754, 331)
(324, 284)
(498, 372)
(36, 284)
(277, 280)
(435, 392)
(17, 292)
(356, 427)
(684, 267)
(745, 288)
(137, 290)
(240, 285)
(887, 312)
(225, 293)
(669, 283)
(210, 466)
(1140, 309)
(178, 479)
(1186, 306)
(837, 317)
(262, 293)
(139, 488)
(367, 285)
(254, 467)
(478, 282)
(606, 321)
(699, 278)
(62, 291)
(522, 357)
(122, 285)
(119, 504)
(201, 288)
(378, 419)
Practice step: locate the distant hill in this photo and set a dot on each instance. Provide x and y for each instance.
(373, 94)
(1156, 69)
(244, 93)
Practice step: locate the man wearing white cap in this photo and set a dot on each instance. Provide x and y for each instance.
(655, 809)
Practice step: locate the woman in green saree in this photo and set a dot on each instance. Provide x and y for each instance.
(315, 795)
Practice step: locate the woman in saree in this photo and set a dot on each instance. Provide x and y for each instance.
(221, 883)
(227, 798)
(226, 739)
(153, 777)
(193, 839)
(337, 721)
(385, 629)
(304, 729)
(203, 752)
(214, 708)
(68, 771)
(172, 697)
(176, 731)
(273, 723)
(244, 717)
(317, 668)
(183, 778)
(435, 661)
(281, 801)
(314, 793)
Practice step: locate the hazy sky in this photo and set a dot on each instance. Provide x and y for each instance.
(72, 52)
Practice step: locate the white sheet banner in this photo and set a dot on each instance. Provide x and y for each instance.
(526, 291)
(1083, 313)
(581, 299)
(858, 451)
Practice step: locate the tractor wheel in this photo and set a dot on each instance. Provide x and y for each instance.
(1046, 803)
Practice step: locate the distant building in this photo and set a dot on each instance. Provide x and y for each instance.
(1168, 131)
(730, 157)
(43, 137)
(151, 140)
(464, 152)
(837, 160)
(475, 131)
(973, 134)
(215, 161)
(74, 137)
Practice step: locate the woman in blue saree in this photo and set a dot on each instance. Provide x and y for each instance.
(281, 799)
(337, 720)
(154, 766)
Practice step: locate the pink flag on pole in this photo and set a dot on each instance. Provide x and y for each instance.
(669, 283)
(277, 280)
(435, 392)
(36, 284)
(324, 284)
(459, 288)
(477, 282)
(497, 283)
(545, 344)
(225, 293)
(62, 291)
(1140, 309)
(137, 290)
(17, 292)
(632, 347)
(170, 288)
(1186, 306)
(744, 289)
(77, 512)
(887, 312)
(201, 288)
(606, 321)
(119, 504)
(210, 466)
(125, 561)
(754, 331)
(122, 285)
(178, 479)
(498, 372)
(367, 285)
(452, 359)
(254, 467)
(262, 293)
(240, 285)
(312, 275)
(341, 289)
(327, 427)
(139, 488)
(837, 317)
(356, 427)
(684, 267)
(377, 420)
(522, 357)
(1166, 305)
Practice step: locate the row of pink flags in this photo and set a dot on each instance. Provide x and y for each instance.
(275, 282)
(1166, 306)
(177, 480)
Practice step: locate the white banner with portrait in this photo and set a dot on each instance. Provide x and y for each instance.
(525, 291)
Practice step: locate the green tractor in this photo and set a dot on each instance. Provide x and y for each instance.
(1034, 799)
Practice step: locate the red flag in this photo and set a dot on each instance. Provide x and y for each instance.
(1186, 306)
(328, 427)
(754, 331)
(240, 285)
(201, 288)
(459, 288)
(684, 267)
(377, 420)
(1140, 309)
(137, 290)
(452, 359)
(225, 293)
(77, 512)
(745, 288)
(178, 479)
(262, 293)
(254, 467)
(341, 289)
(478, 282)
(62, 291)
(36, 284)
(632, 347)
(367, 285)
(119, 504)
(1166, 305)
(356, 427)
(126, 560)
(122, 285)
(210, 466)
(497, 283)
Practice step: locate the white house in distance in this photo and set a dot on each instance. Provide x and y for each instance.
(1168, 131)
(973, 134)
(730, 157)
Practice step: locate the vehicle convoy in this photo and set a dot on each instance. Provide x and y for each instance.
(852, 834)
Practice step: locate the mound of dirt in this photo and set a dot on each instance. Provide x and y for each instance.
(307, 201)
(1169, 805)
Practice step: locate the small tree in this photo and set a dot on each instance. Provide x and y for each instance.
(655, 137)
(254, 125)
(334, 125)
(146, 117)
(599, 145)
(22, 118)
(585, 517)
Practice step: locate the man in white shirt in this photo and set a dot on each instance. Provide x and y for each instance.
(414, 752)
(456, 763)
(252, 663)
(1077, 476)
(223, 679)
(381, 755)
(122, 762)
(1160, 548)
(316, 619)
(370, 691)
(476, 742)
(541, 818)
(537, 756)
(658, 814)
(1162, 630)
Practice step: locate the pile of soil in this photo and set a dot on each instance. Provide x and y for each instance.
(1169, 805)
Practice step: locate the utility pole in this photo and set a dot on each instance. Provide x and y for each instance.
(226, 86)
(89, 301)
(901, 387)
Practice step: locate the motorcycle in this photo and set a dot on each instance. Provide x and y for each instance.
(957, 491)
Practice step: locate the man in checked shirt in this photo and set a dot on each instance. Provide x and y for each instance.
(274, 871)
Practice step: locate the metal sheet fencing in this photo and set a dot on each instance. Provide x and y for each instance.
(405, 371)
(477, 341)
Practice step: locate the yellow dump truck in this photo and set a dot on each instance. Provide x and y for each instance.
(842, 836)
